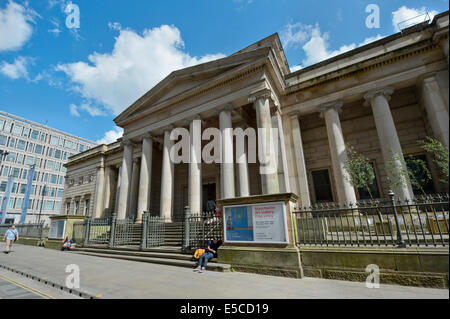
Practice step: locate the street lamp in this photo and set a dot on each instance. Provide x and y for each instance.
(42, 202)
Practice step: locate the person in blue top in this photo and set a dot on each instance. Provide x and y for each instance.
(11, 236)
(211, 252)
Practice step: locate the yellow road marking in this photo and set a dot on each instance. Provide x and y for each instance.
(32, 290)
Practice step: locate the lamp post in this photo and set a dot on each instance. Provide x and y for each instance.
(42, 202)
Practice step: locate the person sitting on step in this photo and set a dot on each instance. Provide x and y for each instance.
(211, 252)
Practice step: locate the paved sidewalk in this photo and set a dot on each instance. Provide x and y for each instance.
(113, 278)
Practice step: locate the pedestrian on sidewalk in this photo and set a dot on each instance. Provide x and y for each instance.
(67, 244)
(11, 236)
(211, 252)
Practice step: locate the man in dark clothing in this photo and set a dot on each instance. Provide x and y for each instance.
(211, 252)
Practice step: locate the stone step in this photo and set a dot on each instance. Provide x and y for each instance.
(137, 253)
(158, 260)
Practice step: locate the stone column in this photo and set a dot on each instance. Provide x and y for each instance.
(146, 177)
(119, 177)
(302, 174)
(99, 192)
(109, 183)
(389, 141)
(266, 150)
(282, 158)
(436, 109)
(345, 190)
(227, 166)
(167, 179)
(195, 167)
(244, 186)
(125, 179)
(134, 188)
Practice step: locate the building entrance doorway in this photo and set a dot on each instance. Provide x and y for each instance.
(208, 195)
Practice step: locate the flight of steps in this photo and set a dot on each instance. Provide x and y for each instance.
(173, 234)
(171, 256)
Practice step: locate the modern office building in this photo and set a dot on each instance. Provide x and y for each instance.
(24, 143)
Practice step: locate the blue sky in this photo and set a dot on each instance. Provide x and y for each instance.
(77, 80)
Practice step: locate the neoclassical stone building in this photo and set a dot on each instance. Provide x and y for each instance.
(380, 98)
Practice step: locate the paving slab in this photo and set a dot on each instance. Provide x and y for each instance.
(115, 278)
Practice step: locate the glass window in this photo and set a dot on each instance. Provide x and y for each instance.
(15, 172)
(48, 206)
(50, 152)
(20, 158)
(53, 192)
(30, 147)
(86, 207)
(38, 149)
(57, 166)
(65, 156)
(61, 180)
(322, 186)
(14, 188)
(43, 135)
(26, 132)
(45, 179)
(60, 192)
(23, 188)
(1, 124)
(3, 186)
(7, 127)
(58, 154)
(3, 140)
(11, 202)
(54, 179)
(364, 192)
(24, 174)
(38, 162)
(5, 171)
(17, 130)
(68, 144)
(12, 142)
(54, 140)
(57, 206)
(19, 203)
(77, 207)
(36, 176)
(35, 135)
(63, 169)
(11, 157)
(81, 148)
(21, 144)
(50, 165)
(29, 160)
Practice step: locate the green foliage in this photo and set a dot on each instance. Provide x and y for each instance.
(412, 169)
(360, 172)
(439, 154)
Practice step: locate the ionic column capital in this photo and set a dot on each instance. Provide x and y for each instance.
(263, 94)
(126, 142)
(386, 92)
(336, 105)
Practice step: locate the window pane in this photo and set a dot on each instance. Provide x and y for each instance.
(322, 186)
(35, 135)
(38, 149)
(21, 144)
(12, 142)
(3, 140)
(54, 140)
(418, 165)
(17, 129)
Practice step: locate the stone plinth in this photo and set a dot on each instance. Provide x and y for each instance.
(264, 258)
(56, 243)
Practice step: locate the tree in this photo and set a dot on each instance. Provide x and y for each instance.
(440, 155)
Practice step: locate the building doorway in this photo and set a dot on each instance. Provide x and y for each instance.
(208, 194)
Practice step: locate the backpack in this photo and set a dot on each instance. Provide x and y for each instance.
(198, 253)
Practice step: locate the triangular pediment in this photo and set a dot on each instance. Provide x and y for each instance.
(192, 78)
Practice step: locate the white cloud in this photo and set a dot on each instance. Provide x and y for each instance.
(74, 110)
(413, 16)
(136, 63)
(56, 29)
(314, 43)
(111, 136)
(17, 69)
(15, 26)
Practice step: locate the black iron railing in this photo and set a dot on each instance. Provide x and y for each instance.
(423, 221)
(199, 229)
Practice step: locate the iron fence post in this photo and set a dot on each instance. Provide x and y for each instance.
(187, 213)
(144, 230)
(400, 242)
(87, 231)
(112, 230)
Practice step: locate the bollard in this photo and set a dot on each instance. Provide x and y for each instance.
(144, 230)
(400, 242)
(112, 230)
(87, 231)
(187, 214)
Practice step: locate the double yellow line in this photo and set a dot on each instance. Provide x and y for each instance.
(32, 290)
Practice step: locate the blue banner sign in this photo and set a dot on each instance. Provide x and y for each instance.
(23, 215)
(4, 206)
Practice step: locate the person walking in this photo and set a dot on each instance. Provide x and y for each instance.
(11, 236)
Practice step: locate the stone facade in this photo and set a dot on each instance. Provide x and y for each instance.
(380, 98)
